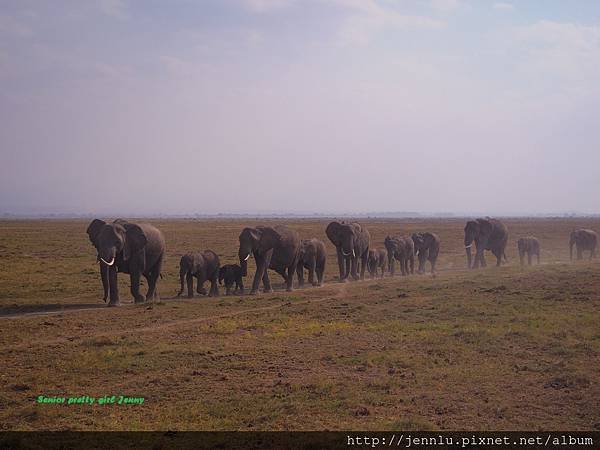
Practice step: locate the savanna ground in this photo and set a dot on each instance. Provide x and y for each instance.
(492, 349)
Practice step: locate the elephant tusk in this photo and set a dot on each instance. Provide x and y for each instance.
(353, 254)
(246, 258)
(108, 263)
(469, 246)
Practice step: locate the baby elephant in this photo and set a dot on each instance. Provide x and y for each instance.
(205, 267)
(312, 257)
(377, 260)
(529, 245)
(231, 273)
(427, 248)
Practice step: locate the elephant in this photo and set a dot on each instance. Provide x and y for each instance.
(276, 247)
(427, 248)
(377, 260)
(204, 267)
(352, 242)
(583, 239)
(313, 257)
(401, 248)
(531, 246)
(135, 249)
(488, 234)
(231, 274)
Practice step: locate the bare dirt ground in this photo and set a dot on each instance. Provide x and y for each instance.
(499, 348)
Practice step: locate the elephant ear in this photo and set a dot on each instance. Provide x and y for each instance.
(135, 240)
(269, 238)
(334, 233)
(93, 230)
(472, 225)
(427, 239)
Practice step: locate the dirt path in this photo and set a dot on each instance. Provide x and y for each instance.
(340, 294)
(46, 310)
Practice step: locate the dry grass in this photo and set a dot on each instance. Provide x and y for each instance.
(491, 349)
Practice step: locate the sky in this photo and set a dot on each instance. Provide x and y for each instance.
(151, 107)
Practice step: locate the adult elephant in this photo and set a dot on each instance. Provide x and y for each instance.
(487, 234)
(352, 242)
(401, 249)
(427, 248)
(276, 248)
(135, 249)
(313, 257)
(583, 239)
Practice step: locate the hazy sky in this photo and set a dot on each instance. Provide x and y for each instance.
(181, 106)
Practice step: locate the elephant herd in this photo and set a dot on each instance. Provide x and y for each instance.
(139, 250)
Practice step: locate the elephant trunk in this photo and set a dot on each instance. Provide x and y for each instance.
(469, 257)
(182, 280)
(244, 266)
(468, 244)
(104, 278)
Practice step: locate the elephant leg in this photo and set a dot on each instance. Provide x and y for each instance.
(135, 287)
(341, 264)
(290, 277)
(200, 287)
(113, 286)
(353, 267)
(266, 282)
(412, 264)
(522, 257)
(190, 284)
(152, 277)
(311, 272)
(579, 253)
(529, 256)
(300, 274)
(265, 277)
(482, 259)
(152, 280)
(391, 264)
(422, 259)
(182, 281)
(498, 255)
(432, 261)
(260, 269)
(214, 287)
(476, 260)
(320, 271)
(363, 264)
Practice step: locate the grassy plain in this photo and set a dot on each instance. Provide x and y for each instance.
(497, 348)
